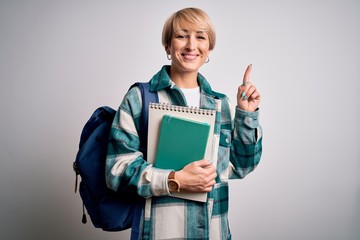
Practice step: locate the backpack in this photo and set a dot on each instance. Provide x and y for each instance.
(108, 210)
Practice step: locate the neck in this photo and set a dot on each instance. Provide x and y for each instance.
(185, 79)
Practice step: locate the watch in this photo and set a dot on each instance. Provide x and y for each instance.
(173, 185)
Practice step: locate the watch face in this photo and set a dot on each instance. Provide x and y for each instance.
(173, 186)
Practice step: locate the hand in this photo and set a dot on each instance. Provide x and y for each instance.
(198, 176)
(248, 97)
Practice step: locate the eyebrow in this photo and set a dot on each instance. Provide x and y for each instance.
(184, 30)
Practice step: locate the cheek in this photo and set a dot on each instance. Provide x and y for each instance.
(177, 46)
(205, 48)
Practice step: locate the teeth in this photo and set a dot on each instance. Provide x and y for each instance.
(189, 57)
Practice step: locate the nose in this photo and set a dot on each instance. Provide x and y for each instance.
(191, 43)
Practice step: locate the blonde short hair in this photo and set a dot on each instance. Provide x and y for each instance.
(186, 17)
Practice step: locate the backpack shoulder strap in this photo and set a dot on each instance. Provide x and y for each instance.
(147, 97)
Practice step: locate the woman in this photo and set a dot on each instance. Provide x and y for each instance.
(188, 37)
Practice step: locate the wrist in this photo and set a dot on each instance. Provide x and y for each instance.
(173, 184)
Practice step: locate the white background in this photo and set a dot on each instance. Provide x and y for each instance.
(59, 60)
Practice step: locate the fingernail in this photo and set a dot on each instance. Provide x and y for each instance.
(243, 96)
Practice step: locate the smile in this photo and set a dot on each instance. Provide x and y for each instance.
(189, 56)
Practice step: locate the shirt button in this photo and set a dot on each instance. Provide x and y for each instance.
(248, 121)
(227, 140)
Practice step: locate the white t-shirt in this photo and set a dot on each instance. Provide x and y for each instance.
(192, 96)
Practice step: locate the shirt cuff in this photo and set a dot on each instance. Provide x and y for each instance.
(247, 119)
(247, 126)
(159, 182)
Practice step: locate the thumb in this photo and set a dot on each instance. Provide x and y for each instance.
(203, 163)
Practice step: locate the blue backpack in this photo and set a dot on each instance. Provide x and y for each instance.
(108, 210)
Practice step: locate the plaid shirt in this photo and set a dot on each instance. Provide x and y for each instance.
(239, 153)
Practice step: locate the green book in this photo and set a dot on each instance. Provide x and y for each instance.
(181, 141)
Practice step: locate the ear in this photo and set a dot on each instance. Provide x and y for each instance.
(167, 50)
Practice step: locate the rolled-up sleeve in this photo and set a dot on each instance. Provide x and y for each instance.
(246, 147)
(126, 169)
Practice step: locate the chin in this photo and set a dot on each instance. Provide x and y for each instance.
(192, 66)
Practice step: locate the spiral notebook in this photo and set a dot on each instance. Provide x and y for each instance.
(203, 116)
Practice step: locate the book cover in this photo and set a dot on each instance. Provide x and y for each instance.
(181, 141)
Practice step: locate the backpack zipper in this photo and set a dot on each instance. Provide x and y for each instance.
(76, 170)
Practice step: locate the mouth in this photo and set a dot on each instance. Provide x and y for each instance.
(190, 57)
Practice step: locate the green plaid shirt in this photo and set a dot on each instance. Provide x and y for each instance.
(239, 153)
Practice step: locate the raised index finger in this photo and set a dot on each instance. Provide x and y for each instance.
(247, 75)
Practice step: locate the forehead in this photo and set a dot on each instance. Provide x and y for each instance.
(187, 26)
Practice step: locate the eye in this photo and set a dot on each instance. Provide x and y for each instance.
(201, 37)
(181, 36)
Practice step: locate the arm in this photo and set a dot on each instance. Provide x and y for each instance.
(246, 146)
(126, 170)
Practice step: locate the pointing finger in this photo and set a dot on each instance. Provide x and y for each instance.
(247, 75)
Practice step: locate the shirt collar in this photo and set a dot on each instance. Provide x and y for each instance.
(162, 80)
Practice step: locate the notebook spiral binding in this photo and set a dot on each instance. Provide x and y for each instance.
(192, 110)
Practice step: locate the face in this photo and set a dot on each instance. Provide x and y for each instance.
(189, 50)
